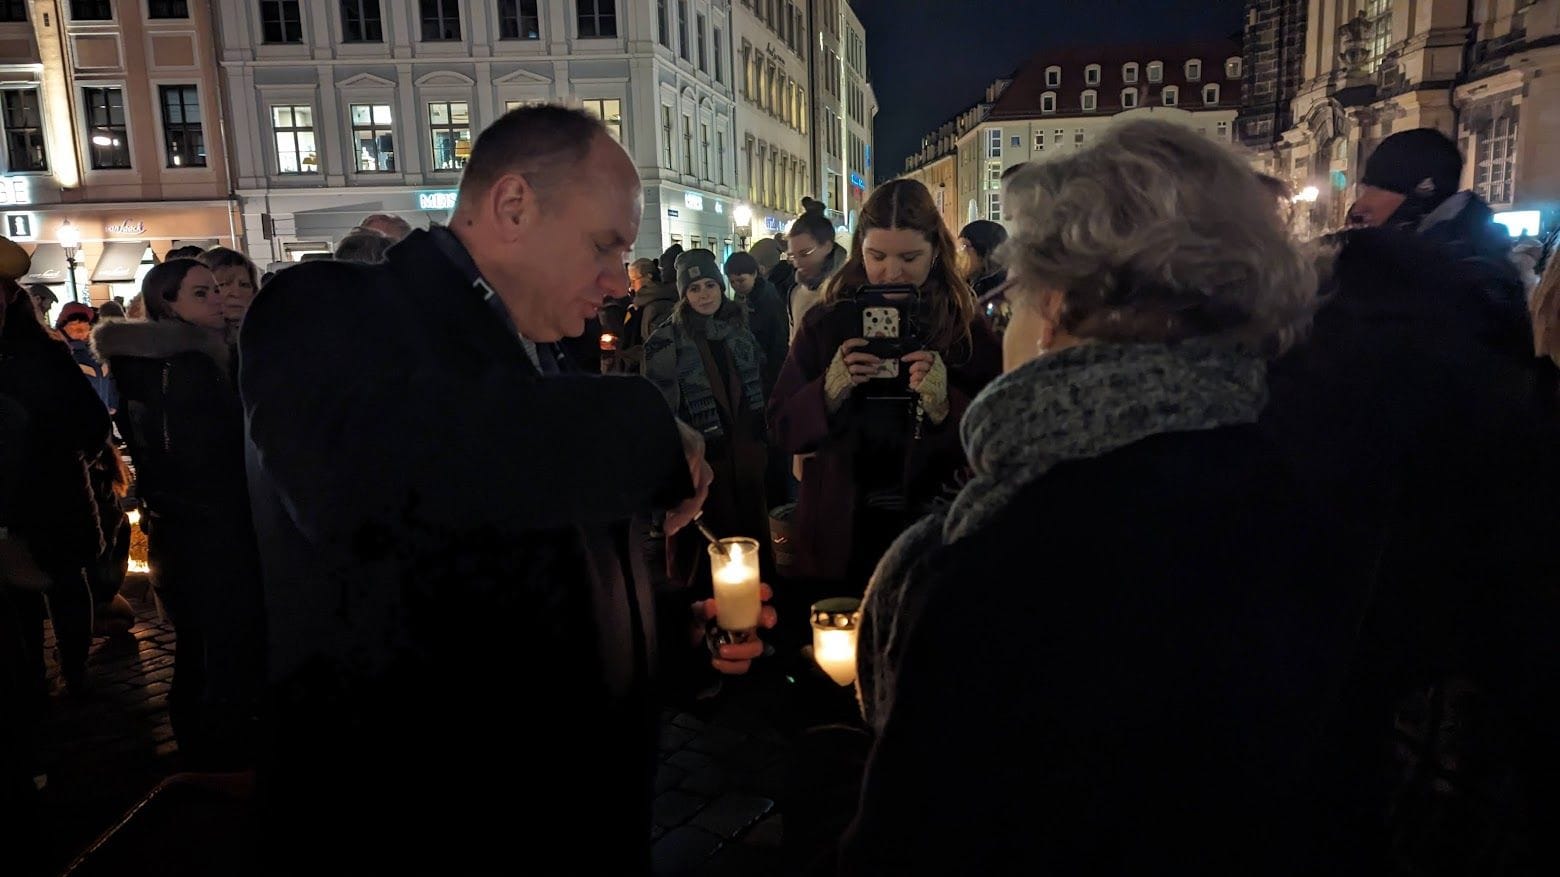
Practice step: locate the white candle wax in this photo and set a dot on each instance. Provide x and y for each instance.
(737, 602)
(835, 652)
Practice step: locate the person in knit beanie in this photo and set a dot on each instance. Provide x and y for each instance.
(1411, 184)
(708, 366)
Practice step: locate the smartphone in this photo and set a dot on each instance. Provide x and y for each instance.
(887, 314)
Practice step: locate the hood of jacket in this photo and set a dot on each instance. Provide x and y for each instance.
(156, 339)
(655, 292)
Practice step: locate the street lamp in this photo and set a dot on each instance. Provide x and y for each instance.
(70, 242)
(742, 215)
(1307, 195)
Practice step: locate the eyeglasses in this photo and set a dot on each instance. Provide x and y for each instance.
(804, 253)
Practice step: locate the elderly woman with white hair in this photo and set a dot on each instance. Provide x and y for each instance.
(1109, 648)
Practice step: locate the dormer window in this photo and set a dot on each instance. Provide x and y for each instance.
(1091, 75)
(1169, 96)
(1156, 71)
(1232, 68)
(1193, 70)
(1211, 94)
(1090, 101)
(1053, 77)
(1048, 102)
(1129, 98)
(1129, 72)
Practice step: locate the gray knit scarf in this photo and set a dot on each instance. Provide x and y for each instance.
(1076, 404)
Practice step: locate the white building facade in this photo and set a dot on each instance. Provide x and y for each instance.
(341, 110)
(858, 112)
(774, 110)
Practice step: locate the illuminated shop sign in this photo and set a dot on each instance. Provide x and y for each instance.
(692, 201)
(15, 190)
(436, 200)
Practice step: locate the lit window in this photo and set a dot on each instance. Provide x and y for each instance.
(1048, 102)
(1039, 140)
(1495, 172)
(1053, 77)
(373, 137)
(1193, 70)
(1129, 98)
(610, 112)
(449, 127)
(1169, 96)
(1091, 75)
(106, 127)
(1156, 71)
(1232, 68)
(23, 121)
(994, 206)
(1129, 72)
(1090, 101)
(1211, 94)
(993, 174)
(994, 143)
(296, 152)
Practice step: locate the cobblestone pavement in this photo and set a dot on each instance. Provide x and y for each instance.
(716, 791)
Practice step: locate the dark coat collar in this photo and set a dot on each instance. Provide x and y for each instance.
(157, 339)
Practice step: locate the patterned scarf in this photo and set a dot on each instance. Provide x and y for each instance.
(1076, 404)
(674, 350)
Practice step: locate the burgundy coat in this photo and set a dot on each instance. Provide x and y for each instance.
(800, 424)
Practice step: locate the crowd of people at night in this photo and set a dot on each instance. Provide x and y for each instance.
(1182, 544)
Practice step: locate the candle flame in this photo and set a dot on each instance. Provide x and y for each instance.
(134, 516)
(736, 554)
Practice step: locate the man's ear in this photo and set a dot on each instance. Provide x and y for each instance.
(513, 204)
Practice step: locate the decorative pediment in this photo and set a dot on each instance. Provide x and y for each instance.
(444, 78)
(522, 77)
(365, 80)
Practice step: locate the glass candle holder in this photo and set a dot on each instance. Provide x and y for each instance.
(734, 567)
(834, 637)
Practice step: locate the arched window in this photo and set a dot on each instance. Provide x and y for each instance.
(1232, 68)
(1129, 72)
(1053, 77)
(1090, 101)
(1170, 96)
(1211, 94)
(1156, 71)
(1048, 102)
(1193, 70)
(1129, 98)
(1091, 75)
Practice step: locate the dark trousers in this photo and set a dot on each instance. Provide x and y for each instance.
(70, 608)
(22, 699)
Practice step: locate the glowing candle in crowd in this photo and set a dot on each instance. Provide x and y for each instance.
(834, 637)
(734, 563)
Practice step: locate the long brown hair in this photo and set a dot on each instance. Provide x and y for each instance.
(948, 302)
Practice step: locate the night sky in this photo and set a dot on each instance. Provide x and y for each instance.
(908, 42)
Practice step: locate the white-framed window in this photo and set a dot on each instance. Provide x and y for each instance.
(1156, 71)
(1233, 68)
(1211, 93)
(1193, 70)
(1048, 102)
(662, 32)
(720, 153)
(1039, 141)
(91, 10)
(1090, 100)
(292, 127)
(1129, 72)
(184, 137)
(1224, 130)
(1378, 13)
(1129, 98)
(720, 66)
(687, 129)
(1495, 173)
(22, 116)
(440, 20)
(698, 34)
(362, 22)
(449, 134)
(373, 137)
(704, 148)
(108, 134)
(609, 111)
(280, 21)
(993, 174)
(596, 19)
(667, 135)
(1091, 75)
(1058, 136)
(682, 30)
(1053, 77)
(1016, 141)
(1169, 96)
(1078, 137)
(512, 105)
(994, 143)
(994, 206)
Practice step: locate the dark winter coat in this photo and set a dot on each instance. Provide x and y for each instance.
(96, 375)
(1125, 672)
(1438, 473)
(1463, 228)
(653, 305)
(65, 429)
(800, 423)
(459, 610)
(770, 324)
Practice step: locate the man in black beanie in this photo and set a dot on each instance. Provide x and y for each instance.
(1411, 183)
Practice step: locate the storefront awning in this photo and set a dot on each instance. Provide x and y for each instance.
(119, 262)
(48, 265)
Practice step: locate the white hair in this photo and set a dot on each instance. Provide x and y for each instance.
(1157, 233)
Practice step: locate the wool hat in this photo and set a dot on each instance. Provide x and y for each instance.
(984, 236)
(741, 263)
(1423, 164)
(72, 312)
(669, 263)
(695, 265)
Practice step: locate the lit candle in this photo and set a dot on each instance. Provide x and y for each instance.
(834, 637)
(734, 564)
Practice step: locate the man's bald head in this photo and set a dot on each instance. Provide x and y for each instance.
(547, 145)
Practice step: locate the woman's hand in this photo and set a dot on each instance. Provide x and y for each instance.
(735, 658)
(863, 367)
(920, 363)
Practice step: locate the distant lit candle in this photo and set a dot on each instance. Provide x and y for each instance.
(834, 637)
(734, 564)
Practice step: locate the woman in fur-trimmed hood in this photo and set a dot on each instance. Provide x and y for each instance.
(181, 416)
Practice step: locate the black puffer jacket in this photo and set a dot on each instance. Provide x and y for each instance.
(1463, 227)
(66, 428)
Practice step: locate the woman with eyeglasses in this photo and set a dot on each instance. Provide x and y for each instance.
(877, 451)
(814, 255)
